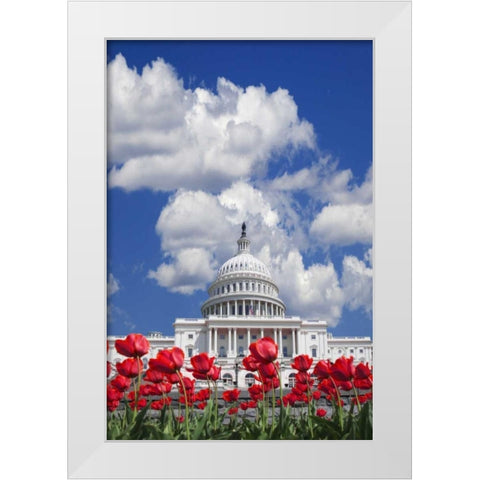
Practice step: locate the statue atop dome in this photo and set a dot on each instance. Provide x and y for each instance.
(244, 229)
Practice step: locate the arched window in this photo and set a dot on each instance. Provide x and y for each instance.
(227, 379)
(291, 380)
(222, 352)
(249, 379)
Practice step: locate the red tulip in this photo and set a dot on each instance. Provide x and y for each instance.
(244, 406)
(327, 386)
(343, 369)
(265, 350)
(130, 367)
(321, 412)
(347, 386)
(231, 395)
(304, 379)
(164, 387)
(302, 363)
(267, 370)
(201, 405)
(250, 363)
(157, 404)
(202, 395)
(213, 374)
(134, 345)
(121, 383)
(362, 384)
(322, 369)
(233, 411)
(154, 376)
(113, 394)
(256, 392)
(316, 394)
(142, 403)
(113, 405)
(201, 363)
(362, 371)
(168, 360)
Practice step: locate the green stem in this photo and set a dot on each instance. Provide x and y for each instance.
(186, 404)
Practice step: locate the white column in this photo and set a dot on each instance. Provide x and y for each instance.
(236, 307)
(275, 336)
(229, 341)
(235, 341)
(294, 341)
(221, 309)
(228, 308)
(248, 337)
(261, 332)
(280, 347)
(243, 308)
(209, 340)
(215, 337)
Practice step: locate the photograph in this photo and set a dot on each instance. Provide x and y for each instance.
(239, 239)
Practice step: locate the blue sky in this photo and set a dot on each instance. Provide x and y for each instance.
(204, 135)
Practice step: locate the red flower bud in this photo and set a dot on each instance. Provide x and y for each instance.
(168, 360)
(134, 345)
(265, 350)
(231, 395)
(302, 363)
(130, 367)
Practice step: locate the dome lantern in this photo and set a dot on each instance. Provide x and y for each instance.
(243, 242)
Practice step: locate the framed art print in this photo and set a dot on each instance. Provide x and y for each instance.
(239, 239)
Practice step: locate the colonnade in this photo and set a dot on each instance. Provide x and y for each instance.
(233, 337)
(246, 307)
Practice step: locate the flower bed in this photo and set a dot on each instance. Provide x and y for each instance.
(141, 405)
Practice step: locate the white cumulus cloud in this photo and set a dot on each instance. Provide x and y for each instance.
(357, 282)
(162, 136)
(343, 225)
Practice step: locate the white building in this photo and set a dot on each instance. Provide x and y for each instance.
(243, 306)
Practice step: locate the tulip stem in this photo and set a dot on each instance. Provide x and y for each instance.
(186, 404)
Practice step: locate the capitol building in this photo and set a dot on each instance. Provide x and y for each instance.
(244, 305)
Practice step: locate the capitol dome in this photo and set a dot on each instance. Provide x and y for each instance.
(243, 287)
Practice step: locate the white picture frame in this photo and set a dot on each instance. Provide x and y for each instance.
(388, 23)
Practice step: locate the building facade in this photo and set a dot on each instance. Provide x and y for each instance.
(244, 305)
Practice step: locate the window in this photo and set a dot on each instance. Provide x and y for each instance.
(222, 336)
(241, 286)
(285, 352)
(249, 379)
(361, 350)
(223, 289)
(190, 336)
(291, 380)
(340, 351)
(314, 337)
(284, 337)
(228, 288)
(352, 350)
(254, 337)
(190, 352)
(253, 287)
(264, 289)
(240, 337)
(314, 352)
(240, 351)
(234, 287)
(246, 286)
(222, 352)
(227, 379)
